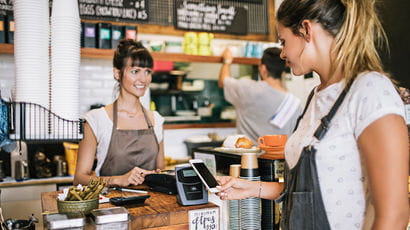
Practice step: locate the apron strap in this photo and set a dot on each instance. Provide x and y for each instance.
(150, 126)
(114, 116)
(304, 110)
(325, 121)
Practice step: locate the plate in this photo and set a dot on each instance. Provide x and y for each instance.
(185, 113)
(238, 150)
(272, 149)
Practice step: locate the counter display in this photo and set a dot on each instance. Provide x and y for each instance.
(159, 211)
(271, 168)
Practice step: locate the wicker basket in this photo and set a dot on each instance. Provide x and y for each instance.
(77, 206)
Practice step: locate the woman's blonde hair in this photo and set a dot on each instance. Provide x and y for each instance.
(354, 24)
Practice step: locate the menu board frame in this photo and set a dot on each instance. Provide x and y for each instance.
(124, 10)
(210, 17)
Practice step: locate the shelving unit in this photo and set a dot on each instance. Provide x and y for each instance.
(173, 91)
(36, 124)
(159, 56)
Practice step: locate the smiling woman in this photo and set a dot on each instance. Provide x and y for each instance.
(124, 137)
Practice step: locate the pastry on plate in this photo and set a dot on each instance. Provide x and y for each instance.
(238, 141)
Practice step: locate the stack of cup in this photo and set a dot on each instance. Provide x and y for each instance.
(31, 57)
(234, 171)
(65, 63)
(249, 208)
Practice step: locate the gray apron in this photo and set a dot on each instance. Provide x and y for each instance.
(130, 148)
(302, 207)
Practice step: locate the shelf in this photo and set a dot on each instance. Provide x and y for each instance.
(34, 123)
(7, 48)
(108, 54)
(10, 182)
(200, 125)
(173, 91)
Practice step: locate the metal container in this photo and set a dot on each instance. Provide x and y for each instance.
(21, 170)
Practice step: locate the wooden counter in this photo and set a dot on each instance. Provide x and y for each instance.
(160, 211)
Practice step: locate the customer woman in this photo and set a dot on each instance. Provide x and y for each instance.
(124, 137)
(360, 165)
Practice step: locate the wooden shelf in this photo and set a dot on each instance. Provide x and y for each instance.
(200, 125)
(108, 54)
(7, 48)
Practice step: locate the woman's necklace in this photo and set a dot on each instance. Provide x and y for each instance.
(129, 114)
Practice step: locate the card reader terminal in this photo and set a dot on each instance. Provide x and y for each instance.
(191, 191)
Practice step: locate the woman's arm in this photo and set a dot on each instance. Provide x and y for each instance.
(86, 155)
(161, 157)
(385, 147)
(235, 189)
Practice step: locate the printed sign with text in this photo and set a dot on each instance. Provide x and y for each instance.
(204, 219)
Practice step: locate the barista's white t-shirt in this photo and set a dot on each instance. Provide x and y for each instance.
(101, 126)
(341, 169)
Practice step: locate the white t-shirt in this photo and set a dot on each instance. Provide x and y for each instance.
(341, 170)
(256, 103)
(101, 125)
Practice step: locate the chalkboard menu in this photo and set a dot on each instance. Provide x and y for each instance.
(114, 10)
(6, 7)
(200, 16)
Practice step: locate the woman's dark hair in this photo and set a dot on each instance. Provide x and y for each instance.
(329, 13)
(274, 64)
(129, 50)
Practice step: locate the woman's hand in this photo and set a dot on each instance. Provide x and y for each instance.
(235, 189)
(135, 176)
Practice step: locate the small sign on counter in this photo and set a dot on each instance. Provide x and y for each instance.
(218, 18)
(204, 219)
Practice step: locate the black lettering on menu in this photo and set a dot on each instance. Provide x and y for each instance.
(114, 10)
(6, 7)
(209, 17)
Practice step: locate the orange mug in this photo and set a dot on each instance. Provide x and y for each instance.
(272, 140)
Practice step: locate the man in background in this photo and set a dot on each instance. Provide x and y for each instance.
(263, 107)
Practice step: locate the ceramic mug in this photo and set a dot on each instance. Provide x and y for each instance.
(272, 140)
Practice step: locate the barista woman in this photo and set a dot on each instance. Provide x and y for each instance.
(124, 137)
